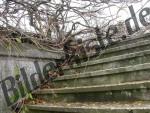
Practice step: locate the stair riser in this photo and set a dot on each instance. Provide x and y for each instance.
(124, 51)
(99, 96)
(108, 65)
(93, 111)
(105, 79)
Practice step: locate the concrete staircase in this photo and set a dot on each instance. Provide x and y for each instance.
(118, 81)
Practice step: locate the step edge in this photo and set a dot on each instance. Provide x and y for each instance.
(81, 108)
(142, 43)
(138, 67)
(111, 59)
(97, 88)
(52, 108)
(128, 46)
(134, 38)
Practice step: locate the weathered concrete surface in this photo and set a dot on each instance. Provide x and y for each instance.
(132, 91)
(128, 48)
(108, 76)
(132, 107)
(23, 57)
(124, 78)
(109, 63)
(133, 39)
(29, 51)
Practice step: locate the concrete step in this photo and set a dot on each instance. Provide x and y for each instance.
(108, 63)
(130, 91)
(132, 39)
(124, 49)
(107, 107)
(107, 76)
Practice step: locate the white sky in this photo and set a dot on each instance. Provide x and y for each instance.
(125, 14)
(122, 15)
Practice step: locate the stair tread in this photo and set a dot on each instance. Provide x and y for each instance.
(105, 72)
(97, 88)
(118, 48)
(93, 106)
(141, 43)
(113, 58)
(133, 37)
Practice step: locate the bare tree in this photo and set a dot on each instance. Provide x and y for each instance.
(56, 20)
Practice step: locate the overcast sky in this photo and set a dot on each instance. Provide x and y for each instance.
(121, 15)
(124, 14)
